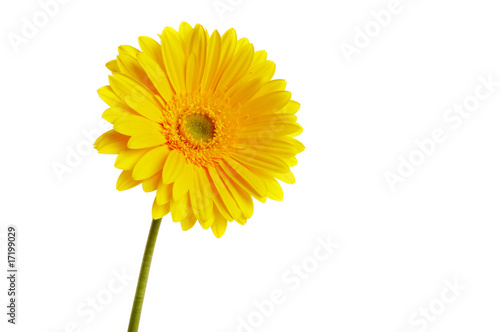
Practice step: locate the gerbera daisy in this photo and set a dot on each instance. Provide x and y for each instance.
(199, 119)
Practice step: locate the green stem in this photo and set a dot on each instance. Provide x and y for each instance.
(135, 316)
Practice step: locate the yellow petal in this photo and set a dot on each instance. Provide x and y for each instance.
(240, 181)
(174, 59)
(164, 193)
(137, 96)
(242, 198)
(136, 124)
(152, 49)
(115, 113)
(290, 161)
(127, 49)
(127, 158)
(279, 147)
(112, 66)
(185, 32)
(174, 165)
(297, 131)
(183, 182)
(151, 163)
(192, 73)
(247, 175)
(130, 66)
(271, 86)
(228, 45)
(157, 75)
(188, 222)
(237, 68)
(240, 43)
(111, 142)
(146, 140)
(292, 107)
(274, 190)
(240, 93)
(271, 120)
(219, 205)
(219, 226)
(241, 221)
(160, 211)
(212, 63)
(263, 161)
(110, 97)
(201, 196)
(224, 193)
(125, 181)
(180, 208)
(273, 130)
(198, 46)
(297, 144)
(264, 70)
(258, 58)
(270, 103)
(151, 184)
(287, 177)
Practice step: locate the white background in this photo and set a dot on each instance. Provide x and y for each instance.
(399, 250)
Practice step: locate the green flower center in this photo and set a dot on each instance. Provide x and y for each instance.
(200, 127)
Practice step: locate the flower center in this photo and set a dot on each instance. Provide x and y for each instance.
(200, 127)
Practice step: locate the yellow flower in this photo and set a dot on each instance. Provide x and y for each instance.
(198, 118)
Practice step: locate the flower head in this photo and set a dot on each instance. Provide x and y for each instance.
(199, 119)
